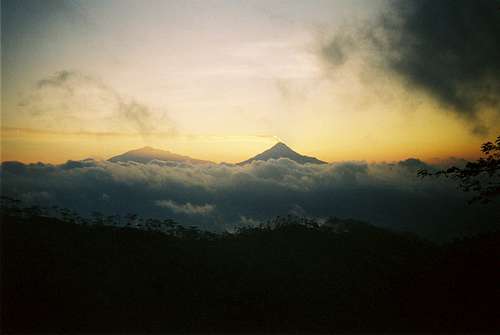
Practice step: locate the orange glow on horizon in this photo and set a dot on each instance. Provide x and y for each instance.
(30, 146)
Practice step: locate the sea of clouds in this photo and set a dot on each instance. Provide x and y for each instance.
(221, 197)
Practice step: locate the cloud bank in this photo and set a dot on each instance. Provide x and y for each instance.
(447, 49)
(220, 197)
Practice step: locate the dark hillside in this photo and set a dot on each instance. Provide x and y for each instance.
(290, 275)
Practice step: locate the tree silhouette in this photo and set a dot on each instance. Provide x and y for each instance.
(481, 177)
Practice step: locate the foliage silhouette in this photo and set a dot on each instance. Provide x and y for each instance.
(481, 176)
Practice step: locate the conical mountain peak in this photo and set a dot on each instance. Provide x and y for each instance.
(281, 145)
(281, 150)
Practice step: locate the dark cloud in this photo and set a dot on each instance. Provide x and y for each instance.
(337, 50)
(67, 80)
(448, 49)
(219, 197)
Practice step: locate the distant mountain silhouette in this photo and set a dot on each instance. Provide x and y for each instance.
(281, 150)
(147, 154)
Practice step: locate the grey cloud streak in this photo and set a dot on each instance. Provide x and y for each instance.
(219, 197)
(87, 101)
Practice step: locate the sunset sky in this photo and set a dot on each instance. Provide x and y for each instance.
(224, 80)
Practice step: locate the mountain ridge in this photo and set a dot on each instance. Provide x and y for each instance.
(147, 154)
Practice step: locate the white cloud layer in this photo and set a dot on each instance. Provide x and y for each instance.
(186, 208)
(218, 197)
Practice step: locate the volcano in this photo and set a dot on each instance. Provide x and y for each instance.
(147, 154)
(281, 150)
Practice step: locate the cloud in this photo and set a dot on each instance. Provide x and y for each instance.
(249, 222)
(221, 197)
(73, 101)
(414, 164)
(186, 208)
(448, 49)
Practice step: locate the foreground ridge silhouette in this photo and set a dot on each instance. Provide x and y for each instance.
(69, 274)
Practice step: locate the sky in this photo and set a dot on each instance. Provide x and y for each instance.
(224, 80)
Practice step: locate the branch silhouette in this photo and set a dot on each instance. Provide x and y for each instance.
(481, 176)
